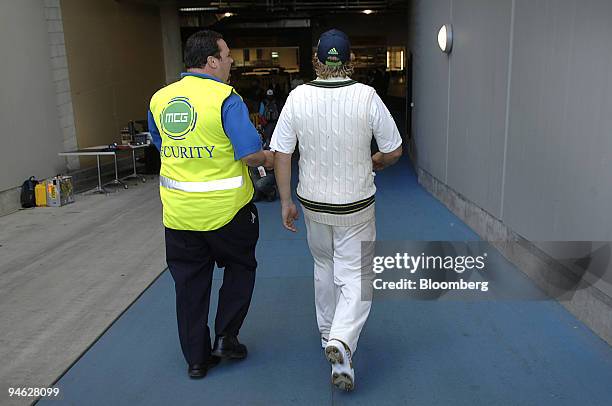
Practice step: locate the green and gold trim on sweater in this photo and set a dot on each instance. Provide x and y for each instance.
(329, 208)
(331, 85)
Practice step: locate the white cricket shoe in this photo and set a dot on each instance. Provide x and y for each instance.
(343, 374)
(323, 342)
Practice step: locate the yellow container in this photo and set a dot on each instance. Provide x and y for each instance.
(40, 191)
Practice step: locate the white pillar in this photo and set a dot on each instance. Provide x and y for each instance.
(61, 78)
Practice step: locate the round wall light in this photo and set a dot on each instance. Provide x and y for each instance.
(445, 38)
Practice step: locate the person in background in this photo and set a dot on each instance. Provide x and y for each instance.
(268, 109)
(253, 95)
(206, 142)
(334, 119)
(296, 81)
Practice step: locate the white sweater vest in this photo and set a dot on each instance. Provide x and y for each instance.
(334, 132)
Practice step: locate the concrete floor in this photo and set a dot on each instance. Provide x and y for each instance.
(67, 273)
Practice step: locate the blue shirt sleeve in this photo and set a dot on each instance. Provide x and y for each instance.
(238, 127)
(157, 141)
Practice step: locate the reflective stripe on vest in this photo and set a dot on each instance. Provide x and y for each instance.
(210, 186)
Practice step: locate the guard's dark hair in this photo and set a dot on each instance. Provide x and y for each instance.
(200, 46)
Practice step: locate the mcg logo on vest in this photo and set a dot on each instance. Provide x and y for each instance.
(178, 119)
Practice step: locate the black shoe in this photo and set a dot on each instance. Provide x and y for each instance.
(213, 361)
(198, 371)
(228, 347)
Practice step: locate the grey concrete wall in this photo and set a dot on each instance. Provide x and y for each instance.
(515, 122)
(517, 118)
(430, 86)
(558, 183)
(31, 133)
(477, 100)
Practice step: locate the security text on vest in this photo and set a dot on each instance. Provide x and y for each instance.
(205, 151)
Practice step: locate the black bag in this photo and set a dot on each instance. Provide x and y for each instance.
(270, 110)
(28, 197)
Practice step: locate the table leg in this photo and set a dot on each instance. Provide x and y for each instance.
(134, 162)
(99, 189)
(116, 181)
(134, 173)
(142, 178)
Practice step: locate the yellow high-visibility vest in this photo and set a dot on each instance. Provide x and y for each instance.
(202, 187)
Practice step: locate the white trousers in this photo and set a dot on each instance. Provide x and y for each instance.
(343, 288)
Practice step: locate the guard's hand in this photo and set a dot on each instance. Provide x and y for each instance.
(269, 162)
(289, 214)
(378, 162)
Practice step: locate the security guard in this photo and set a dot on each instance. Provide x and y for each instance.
(206, 141)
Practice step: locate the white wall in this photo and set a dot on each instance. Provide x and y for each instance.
(30, 134)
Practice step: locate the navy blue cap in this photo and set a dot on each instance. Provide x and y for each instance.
(334, 48)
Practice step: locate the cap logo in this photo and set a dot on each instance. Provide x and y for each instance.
(333, 51)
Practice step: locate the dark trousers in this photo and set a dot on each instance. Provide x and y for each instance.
(191, 256)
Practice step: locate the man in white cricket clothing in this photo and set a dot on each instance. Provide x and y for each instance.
(334, 119)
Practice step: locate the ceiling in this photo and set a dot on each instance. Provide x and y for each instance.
(303, 7)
